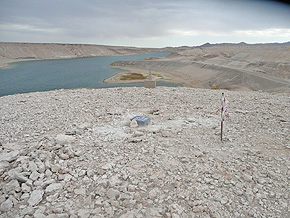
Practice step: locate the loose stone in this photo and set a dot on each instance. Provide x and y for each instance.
(35, 197)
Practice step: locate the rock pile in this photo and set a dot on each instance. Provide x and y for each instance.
(74, 153)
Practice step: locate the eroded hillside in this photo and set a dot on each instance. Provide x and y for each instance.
(235, 67)
(10, 52)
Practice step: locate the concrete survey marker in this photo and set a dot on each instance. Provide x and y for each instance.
(141, 120)
(150, 83)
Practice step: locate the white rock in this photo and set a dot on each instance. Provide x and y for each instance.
(47, 163)
(133, 124)
(114, 181)
(125, 196)
(197, 153)
(64, 139)
(129, 203)
(14, 174)
(25, 196)
(64, 156)
(113, 194)
(12, 146)
(152, 212)
(13, 185)
(81, 173)
(55, 168)
(35, 197)
(4, 165)
(107, 166)
(6, 205)
(224, 201)
(32, 166)
(90, 173)
(67, 177)
(34, 175)
(84, 126)
(138, 134)
(47, 182)
(131, 188)
(247, 177)
(41, 166)
(109, 211)
(2, 199)
(52, 198)
(48, 173)
(153, 194)
(53, 187)
(10, 156)
(25, 188)
(80, 191)
(174, 215)
(84, 213)
(39, 215)
(61, 215)
(27, 211)
(129, 214)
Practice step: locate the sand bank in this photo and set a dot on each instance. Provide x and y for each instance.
(118, 78)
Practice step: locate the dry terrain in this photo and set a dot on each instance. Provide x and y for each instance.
(75, 153)
(229, 66)
(240, 66)
(11, 52)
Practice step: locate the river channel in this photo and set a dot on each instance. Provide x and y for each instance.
(45, 75)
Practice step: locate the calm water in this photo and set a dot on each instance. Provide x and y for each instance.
(32, 76)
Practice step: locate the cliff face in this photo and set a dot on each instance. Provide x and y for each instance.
(14, 51)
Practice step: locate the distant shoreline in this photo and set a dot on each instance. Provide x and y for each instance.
(241, 66)
(15, 52)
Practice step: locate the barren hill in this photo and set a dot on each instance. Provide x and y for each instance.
(230, 66)
(10, 52)
(73, 153)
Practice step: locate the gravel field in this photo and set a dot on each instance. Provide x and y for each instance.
(75, 153)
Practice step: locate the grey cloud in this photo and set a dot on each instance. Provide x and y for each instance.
(75, 19)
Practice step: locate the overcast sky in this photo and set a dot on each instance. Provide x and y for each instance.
(144, 23)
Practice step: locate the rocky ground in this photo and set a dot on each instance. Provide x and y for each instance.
(75, 153)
